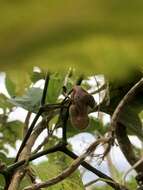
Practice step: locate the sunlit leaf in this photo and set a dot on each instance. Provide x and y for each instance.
(10, 86)
(12, 131)
(4, 103)
(20, 79)
(54, 87)
(25, 182)
(5, 159)
(58, 163)
(30, 100)
(97, 127)
(37, 76)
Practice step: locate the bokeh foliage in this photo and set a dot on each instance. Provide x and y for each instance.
(90, 35)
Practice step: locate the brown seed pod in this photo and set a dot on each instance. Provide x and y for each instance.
(78, 110)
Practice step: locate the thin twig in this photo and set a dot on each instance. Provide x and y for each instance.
(69, 73)
(92, 182)
(45, 141)
(67, 172)
(18, 164)
(31, 174)
(99, 89)
(28, 134)
(35, 119)
(96, 180)
(26, 123)
(100, 174)
(130, 169)
(61, 147)
(17, 175)
(43, 99)
(123, 103)
(119, 129)
(98, 95)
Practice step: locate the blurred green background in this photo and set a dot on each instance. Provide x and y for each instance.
(93, 36)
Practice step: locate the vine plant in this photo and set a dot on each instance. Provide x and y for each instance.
(73, 110)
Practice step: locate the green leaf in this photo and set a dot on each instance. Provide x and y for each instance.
(20, 79)
(5, 159)
(4, 103)
(2, 182)
(16, 128)
(10, 86)
(12, 131)
(37, 76)
(2, 147)
(55, 87)
(95, 126)
(57, 163)
(71, 131)
(30, 100)
(25, 182)
(2, 157)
